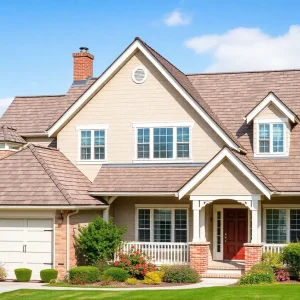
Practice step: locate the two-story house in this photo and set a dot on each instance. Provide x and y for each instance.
(204, 168)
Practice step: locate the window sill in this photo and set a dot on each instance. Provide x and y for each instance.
(161, 161)
(91, 162)
(270, 155)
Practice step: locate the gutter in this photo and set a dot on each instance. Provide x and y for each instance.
(34, 135)
(134, 194)
(14, 207)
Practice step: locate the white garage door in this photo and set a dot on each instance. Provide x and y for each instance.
(26, 243)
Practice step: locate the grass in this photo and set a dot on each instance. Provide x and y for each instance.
(274, 292)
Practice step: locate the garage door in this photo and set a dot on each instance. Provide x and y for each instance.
(26, 243)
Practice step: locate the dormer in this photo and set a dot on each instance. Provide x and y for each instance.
(272, 123)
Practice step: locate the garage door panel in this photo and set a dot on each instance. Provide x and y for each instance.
(39, 236)
(39, 258)
(8, 257)
(11, 247)
(11, 235)
(39, 224)
(12, 224)
(10, 267)
(39, 247)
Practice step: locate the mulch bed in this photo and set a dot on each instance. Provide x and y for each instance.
(139, 285)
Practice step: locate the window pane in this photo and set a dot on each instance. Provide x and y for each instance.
(99, 153)
(276, 226)
(85, 138)
(180, 225)
(99, 144)
(162, 225)
(85, 153)
(264, 138)
(144, 225)
(277, 137)
(86, 142)
(295, 225)
(183, 138)
(143, 143)
(163, 142)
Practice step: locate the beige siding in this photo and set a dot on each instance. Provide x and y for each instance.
(83, 218)
(122, 102)
(123, 211)
(42, 141)
(226, 179)
(270, 112)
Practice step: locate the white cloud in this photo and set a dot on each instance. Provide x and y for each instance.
(4, 103)
(245, 49)
(177, 18)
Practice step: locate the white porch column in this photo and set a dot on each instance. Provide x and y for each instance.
(106, 214)
(196, 224)
(256, 222)
(202, 225)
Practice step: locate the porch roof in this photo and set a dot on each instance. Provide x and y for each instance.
(143, 178)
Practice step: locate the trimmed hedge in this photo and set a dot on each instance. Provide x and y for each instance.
(180, 274)
(117, 274)
(257, 277)
(83, 275)
(23, 274)
(48, 274)
(291, 256)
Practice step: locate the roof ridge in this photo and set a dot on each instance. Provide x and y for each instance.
(50, 173)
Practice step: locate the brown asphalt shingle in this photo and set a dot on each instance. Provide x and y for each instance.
(142, 178)
(42, 176)
(9, 134)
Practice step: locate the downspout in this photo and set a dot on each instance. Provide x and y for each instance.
(68, 238)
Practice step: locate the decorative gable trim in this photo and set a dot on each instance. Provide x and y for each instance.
(214, 163)
(122, 59)
(271, 98)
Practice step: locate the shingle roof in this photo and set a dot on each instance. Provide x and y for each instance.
(9, 134)
(39, 175)
(141, 178)
(35, 114)
(233, 95)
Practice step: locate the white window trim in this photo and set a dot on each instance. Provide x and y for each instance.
(287, 208)
(271, 122)
(92, 128)
(174, 126)
(160, 206)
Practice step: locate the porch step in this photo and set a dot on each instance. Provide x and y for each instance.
(218, 269)
(233, 276)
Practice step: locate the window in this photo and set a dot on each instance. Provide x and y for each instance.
(92, 145)
(159, 142)
(162, 225)
(282, 225)
(271, 138)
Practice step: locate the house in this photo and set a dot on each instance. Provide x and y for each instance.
(204, 168)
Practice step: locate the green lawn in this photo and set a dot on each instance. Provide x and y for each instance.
(273, 292)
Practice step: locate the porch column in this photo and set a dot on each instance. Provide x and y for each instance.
(202, 225)
(196, 223)
(256, 222)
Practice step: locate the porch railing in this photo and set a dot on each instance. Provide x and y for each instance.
(274, 248)
(160, 253)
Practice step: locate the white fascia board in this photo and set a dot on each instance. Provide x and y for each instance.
(113, 68)
(214, 163)
(52, 207)
(175, 194)
(263, 104)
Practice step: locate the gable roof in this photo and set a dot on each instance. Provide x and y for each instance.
(35, 114)
(172, 74)
(39, 175)
(271, 98)
(9, 134)
(142, 179)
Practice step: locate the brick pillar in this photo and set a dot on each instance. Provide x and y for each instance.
(199, 252)
(253, 253)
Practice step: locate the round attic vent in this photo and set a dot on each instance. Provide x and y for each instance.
(139, 75)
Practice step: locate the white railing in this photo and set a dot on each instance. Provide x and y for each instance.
(274, 248)
(160, 253)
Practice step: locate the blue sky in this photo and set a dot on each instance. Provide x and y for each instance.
(38, 37)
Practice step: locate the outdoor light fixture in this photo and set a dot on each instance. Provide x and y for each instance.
(60, 218)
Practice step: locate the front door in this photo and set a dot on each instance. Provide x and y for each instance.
(235, 233)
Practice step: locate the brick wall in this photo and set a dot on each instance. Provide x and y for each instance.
(83, 66)
(253, 253)
(199, 253)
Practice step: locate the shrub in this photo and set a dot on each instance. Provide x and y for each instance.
(52, 281)
(135, 263)
(23, 274)
(83, 275)
(105, 279)
(262, 268)
(117, 274)
(152, 278)
(180, 273)
(282, 275)
(256, 277)
(291, 256)
(273, 259)
(2, 272)
(103, 265)
(132, 281)
(48, 274)
(98, 241)
(161, 274)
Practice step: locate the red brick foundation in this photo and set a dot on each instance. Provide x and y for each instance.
(253, 254)
(199, 256)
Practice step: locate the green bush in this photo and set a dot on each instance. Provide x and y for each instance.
(105, 279)
(180, 273)
(132, 281)
(152, 278)
(83, 275)
(103, 265)
(98, 241)
(262, 268)
(23, 274)
(273, 259)
(257, 277)
(117, 274)
(48, 274)
(291, 256)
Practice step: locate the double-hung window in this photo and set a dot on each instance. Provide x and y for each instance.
(162, 225)
(271, 138)
(92, 145)
(282, 225)
(163, 142)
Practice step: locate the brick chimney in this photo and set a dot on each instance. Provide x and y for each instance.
(83, 64)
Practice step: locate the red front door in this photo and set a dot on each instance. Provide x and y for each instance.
(235, 233)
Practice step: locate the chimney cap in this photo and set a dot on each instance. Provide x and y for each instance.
(84, 49)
